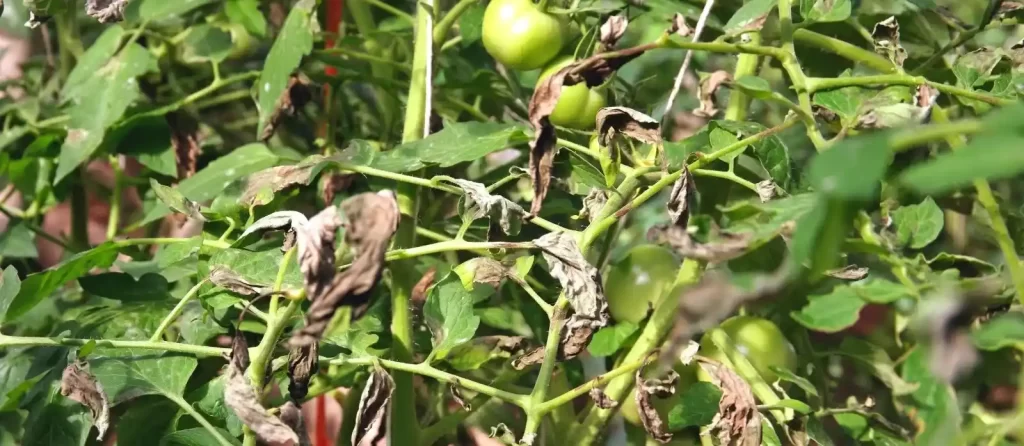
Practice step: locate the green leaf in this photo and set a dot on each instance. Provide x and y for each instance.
(721, 139)
(754, 86)
(95, 58)
(826, 10)
(156, 10)
(934, 403)
(219, 174)
(831, 313)
(258, 266)
(206, 43)
(247, 13)
(879, 362)
(853, 168)
(697, 406)
(918, 225)
(771, 151)
(173, 198)
(195, 436)
(750, 13)
(209, 401)
(804, 384)
(99, 103)
(124, 287)
(18, 242)
(38, 286)
(471, 24)
(880, 291)
(975, 68)
(148, 418)
(130, 373)
(608, 340)
(1005, 330)
(293, 42)
(448, 313)
(845, 102)
(57, 421)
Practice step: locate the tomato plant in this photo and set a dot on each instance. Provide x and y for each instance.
(418, 223)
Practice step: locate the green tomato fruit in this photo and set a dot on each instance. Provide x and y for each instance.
(759, 340)
(636, 281)
(521, 36)
(577, 105)
(687, 376)
(242, 43)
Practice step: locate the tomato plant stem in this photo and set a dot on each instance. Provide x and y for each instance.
(746, 65)
(79, 212)
(725, 176)
(114, 219)
(286, 261)
(450, 18)
(29, 341)
(187, 407)
(176, 311)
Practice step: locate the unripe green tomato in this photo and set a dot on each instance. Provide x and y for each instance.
(757, 339)
(635, 282)
(242, 43)
(577, 105)
(687, 376)
(521, 36)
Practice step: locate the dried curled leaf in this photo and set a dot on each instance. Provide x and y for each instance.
(278, 178)
(766, 190)
(925, 98)
(224, 277)
(612, 30)
(594, 71)
(296, 96)
(240, 396)
(291, 415)
(303, 363)
(601, 399)
(374, 413)
(886, 36)
(679, 26)
(612, 121)
(185, 142)
(725, 247)
(593, 203)
(483, 270)
(371, 220)
(646, 390)
(315, 245)
(848, 272)
(480, 203)
(706, 93)
(106, 11)
(78, 384)
(458, 398)
(948, 320)
(737, 421)
(277, 221)
(679, 200)
(419, 291)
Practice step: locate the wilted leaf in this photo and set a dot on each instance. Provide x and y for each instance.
(294, 41)
(278, 178)
(706, 93)
(478, 351)
(751, 16)
(176, 201)
(679, 199)
(240, 396)
(886, 35)
(303, 363)
(612, 121)
(738, 421)
(848, 272)
(419, 291)
(480, 203)
(601, 399)
(315, 244)
(224, 277)
(371, 220)
(295, 96)
(185, 142)
(277, 221)
(78, 384)
(766, 190)
(725, 247)
(612, 30)
(918, 225)
(105, 11)
(826, 10)
(374, 415)
(458, 398)
(646, 390)
(291, 415)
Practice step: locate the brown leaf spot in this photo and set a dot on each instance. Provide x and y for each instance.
(303, 363)
(225, 278)
(737, 421)
(848, 272)
(185, 141)
(612, 30)
(706, 93)
(294, 97)
(601, 399)
(612, 121)
(419, 291)
(646, 390)
(373, 416)
(106, 11)
(78, 384)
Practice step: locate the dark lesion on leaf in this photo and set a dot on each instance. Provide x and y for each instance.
(647, 389)
(78, 384)
(373, 416)
(295, 96)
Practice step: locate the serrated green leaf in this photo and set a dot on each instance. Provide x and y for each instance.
(471, 24)
(918, 225)
(697, 406)
(826, 10)
(294, 41)
(754, 86)
(206, 43)
(609, 340)
(18, 242)
(448, 313)
(831, 313)
(156, 10)
(721, 139)
(124, 287)
(771, 151)
(933, 404)
(129, 373)
(750, 13)
(38, 286)
(258, 266)
(879, 362)
(1005, 330)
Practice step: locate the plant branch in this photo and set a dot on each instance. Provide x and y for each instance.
(594, 383)
(449, 19)
(725, 176)
(187, 407)
(547, 368)
(816, 84)
(844, 49)
(176, 311)
(28, 341)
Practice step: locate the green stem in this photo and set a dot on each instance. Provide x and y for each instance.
(176, 311)
(960, 40)
(726, 176)
(114, 219)
(286, 261)
(449, 19)
(594, 383)
(192, 98)
(721, 47)
(187, 407)
(425, 369)
(844, 49)
(746, 65)
(28, 341)
(547, 369)
(392, 10)
(548, 308)
(330, 56)
(79, 214)
(815, 84)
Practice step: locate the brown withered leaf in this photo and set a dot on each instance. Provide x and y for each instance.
(574, 340)
(458, 398)
(224, 277)
(239, 350)
(185, 142)
(106, 11)
(480, 203)
(593, 71)
(78, 384)
(484, 270)
(593, 203)
(276, 221)
(419, 291)
(601, 399)
(612, 30)
(925, 98)
(848, 272)
(278, 178)
(296, 96)
(679, 200)
(679, 26)
(332, 183)
(240, 396)
(613, 121)
(737, 423)
(303, 364)
(315, 245)
(726, 246)
(886, 36)
(374, 413)
(706, 93)
(371, 220)
(291, 415)
(948, 320)
(766, 190)
(646, 391)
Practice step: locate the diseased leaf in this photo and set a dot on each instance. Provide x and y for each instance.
(176, 201)
(480, 203)
(224, 277)
(737, 422)
(697, 406)
(750, 16)
(918, 225)
(278, 178)
(709, 85)
(240, 396)
(448, 313)
(611, 31)
(294, 41)
(315, 244)
(303, 364)
(849, 272)
(295, 96)
(256, 268)
(646, 390)
(477, 352)
(78, 384)
(612, 121)
(886, 36)
(373, 417)
(291, 415)
(826, 10)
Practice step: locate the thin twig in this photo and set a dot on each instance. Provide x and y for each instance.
(689, 56)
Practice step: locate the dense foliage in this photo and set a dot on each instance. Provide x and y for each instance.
(734, 222)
